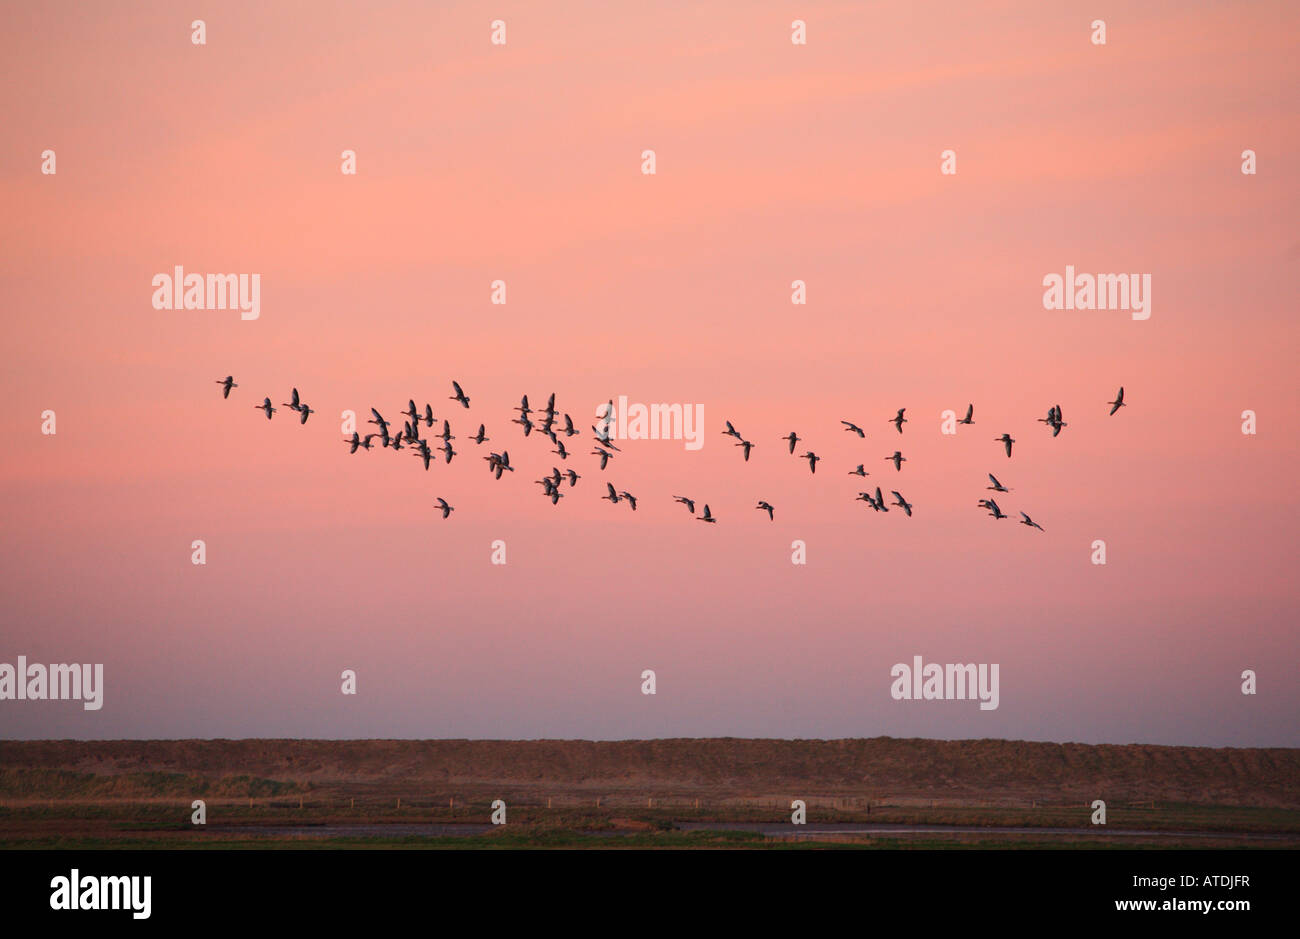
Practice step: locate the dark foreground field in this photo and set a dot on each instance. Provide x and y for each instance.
(724, 792)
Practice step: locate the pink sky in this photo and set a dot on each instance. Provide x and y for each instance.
(775, 162)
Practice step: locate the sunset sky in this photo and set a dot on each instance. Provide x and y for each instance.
(775, 162)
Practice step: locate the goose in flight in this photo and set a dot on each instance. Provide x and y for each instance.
(866, 497)
(1053, 419)
(1007, 440)
(446, 509)
(604, 456)
(479, 437)
(732, 432)
(411, 411)
(425, 453)
(860, 471)
(902, 503)
(569, 429)
(354, 442)
(792, 438)
(1026, 520)
(898, 459)
(630, 498)
(305, 412)
(1058, 424)
(900, 420)
(573, 478)
(767, 507)
(498, 462)
(559, 448)
(748, 446)
(812, 459)
(459, 395)
(970, 415)
(605, 440)
(428, 415)
(294, 403)
(1118, 402)
(611, 495)
(523, 420)
(855, 429)
(556, 496)
(707, 516)
(689, 503)
(446, 448)
(446, 432)
(523, 408)
(396, 442)
(227, 383)
(880, 505)
(994, 509)
(266, 406)
(379, 420)
(997, 486)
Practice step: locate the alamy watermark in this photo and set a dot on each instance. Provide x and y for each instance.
(37, 682)
(954, 682)
(181, 291)
(624, 421)
(1098, 292)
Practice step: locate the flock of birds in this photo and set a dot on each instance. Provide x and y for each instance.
(604, 448)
